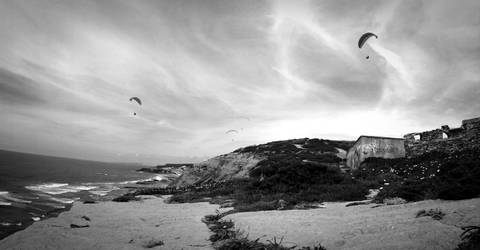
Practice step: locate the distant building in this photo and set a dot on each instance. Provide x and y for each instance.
(374, 146)
(444, 139)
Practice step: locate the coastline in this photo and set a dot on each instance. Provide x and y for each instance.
(124, 225)
(9, 230)
(42, 201)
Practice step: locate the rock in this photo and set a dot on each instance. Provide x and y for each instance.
(220, 168)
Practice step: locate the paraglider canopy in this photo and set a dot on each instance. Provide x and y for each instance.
(363, 39)
(136, 99)
(231, 131)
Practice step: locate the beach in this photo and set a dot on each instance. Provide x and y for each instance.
(152, 223)
(117, 225)
(363, 227)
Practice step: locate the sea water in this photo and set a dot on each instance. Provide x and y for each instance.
(34, 187)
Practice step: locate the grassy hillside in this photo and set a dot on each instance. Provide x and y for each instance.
(292, 172)
(434, 175)
(299, 173)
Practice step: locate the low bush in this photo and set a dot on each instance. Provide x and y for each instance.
(153, 243)
(436, 214)
(433, 175)
(394, 201)
(317, 247)
(470, 238)
(257, 206)
(225, 237)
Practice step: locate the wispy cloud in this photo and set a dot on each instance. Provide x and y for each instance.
(269, 69)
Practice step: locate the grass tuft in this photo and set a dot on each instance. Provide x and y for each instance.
(436, 214)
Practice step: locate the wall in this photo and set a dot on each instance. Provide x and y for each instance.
(465, 137)
(371, 146)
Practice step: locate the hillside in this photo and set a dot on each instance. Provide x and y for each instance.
(243, 162)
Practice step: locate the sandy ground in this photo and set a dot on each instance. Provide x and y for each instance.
(115, 225)
(362, 227)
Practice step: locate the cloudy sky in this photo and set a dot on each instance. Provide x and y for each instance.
(271, 70)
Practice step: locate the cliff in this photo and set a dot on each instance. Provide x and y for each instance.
(218, 169)
(240, 163)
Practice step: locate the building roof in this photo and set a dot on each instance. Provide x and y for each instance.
(378, 137)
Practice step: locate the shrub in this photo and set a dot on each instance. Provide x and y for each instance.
(257, 206)
(317, 247)
(153, 243)
(241, 243)
(394, 201)
(410, 190)
(450, 176)
(470, 238)
(436, 214)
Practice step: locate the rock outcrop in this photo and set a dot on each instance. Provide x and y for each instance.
(238, 164)
(218, 169)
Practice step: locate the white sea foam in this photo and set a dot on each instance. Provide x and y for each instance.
(6, 199)
(103, 191)
(63, 200)
(159, 177)
(59, 188)
(6, 224)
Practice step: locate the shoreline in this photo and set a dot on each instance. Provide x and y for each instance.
(41, 200)
(14, 228)
(119, 225)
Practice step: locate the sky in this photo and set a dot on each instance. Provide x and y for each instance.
(271, 70)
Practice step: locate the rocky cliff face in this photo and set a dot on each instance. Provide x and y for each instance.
(239, 163)
(220, 168)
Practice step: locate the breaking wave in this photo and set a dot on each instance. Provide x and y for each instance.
(59, 188)
(6, 199)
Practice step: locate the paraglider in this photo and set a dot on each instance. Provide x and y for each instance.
(136, 99)
(363, 39)
(231, 131)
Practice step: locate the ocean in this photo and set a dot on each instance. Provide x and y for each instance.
(35, 187)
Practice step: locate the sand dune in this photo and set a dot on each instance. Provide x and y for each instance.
(112, 225)
(362, 227)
